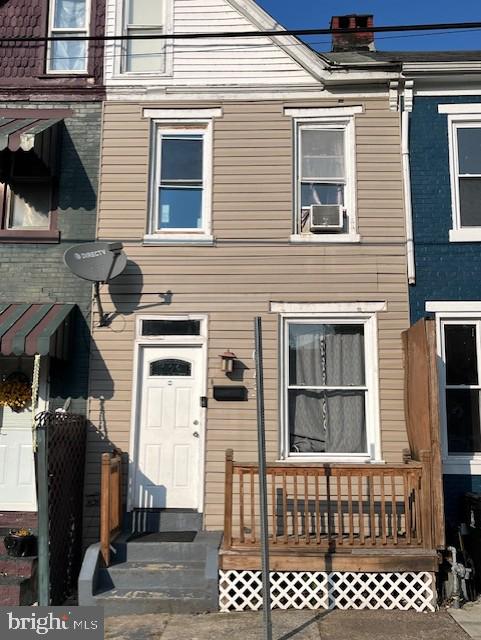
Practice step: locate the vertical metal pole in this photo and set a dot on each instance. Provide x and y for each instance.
(261, 440)
(42, 499)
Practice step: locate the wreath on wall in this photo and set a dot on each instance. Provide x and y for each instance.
(16, 391)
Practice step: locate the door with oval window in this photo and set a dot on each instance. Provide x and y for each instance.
(167, 473)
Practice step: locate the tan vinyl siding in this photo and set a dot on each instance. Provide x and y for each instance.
(251, 264)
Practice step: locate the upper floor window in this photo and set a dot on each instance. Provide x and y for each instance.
(464, 136)
(325, 198)
(68, 18)
(181, 176)
(180, 181)
(466, 165)
(144, 18)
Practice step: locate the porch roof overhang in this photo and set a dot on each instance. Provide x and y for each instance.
(20, 127)
(30, 329)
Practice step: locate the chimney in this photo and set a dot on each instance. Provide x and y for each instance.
(361, 40)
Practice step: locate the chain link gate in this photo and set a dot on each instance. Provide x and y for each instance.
(60, 462)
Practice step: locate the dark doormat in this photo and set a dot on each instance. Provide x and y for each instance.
(164, 536)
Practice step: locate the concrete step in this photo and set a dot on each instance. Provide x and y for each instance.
(140, 601)
(144, 520)
(24, 567)
(143, 575)
(138, 551)
(17, 591)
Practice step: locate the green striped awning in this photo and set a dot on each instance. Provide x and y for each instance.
(28, 329)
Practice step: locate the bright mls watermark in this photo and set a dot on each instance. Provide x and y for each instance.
(25, 623)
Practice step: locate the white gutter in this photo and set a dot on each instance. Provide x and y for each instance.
(407, 196)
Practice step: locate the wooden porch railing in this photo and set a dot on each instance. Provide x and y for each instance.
(330, 506)
(110, 502)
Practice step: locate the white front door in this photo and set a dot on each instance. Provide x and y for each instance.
(169, 430)
(17, 475)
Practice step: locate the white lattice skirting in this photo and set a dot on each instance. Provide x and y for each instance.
(242, 590)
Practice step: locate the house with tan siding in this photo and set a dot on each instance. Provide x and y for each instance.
(251, 177)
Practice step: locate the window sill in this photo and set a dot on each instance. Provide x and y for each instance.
(174, 239)
(462, 465)
(472, 234)
(325, 238)
(34, 236)
(65, 74)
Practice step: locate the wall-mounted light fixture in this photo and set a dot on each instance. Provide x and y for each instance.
(227, 361)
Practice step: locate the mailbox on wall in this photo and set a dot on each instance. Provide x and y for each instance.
(231, 393)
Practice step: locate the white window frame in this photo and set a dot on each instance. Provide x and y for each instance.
(327, 118)
(57, 32)
(373, 439)
(169, 121)
(454, 313)
(465, 117)
(156, 28)
(119, 48)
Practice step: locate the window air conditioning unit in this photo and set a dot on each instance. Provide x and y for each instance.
(326, 217)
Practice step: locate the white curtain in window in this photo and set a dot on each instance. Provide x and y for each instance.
(327, 421)
(70, 14)
(322, 153)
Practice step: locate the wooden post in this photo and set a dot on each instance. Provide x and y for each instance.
(105, 508)
(425, 495)
(229, 478)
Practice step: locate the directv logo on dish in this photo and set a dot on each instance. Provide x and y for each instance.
(56, 621)
(90, 254)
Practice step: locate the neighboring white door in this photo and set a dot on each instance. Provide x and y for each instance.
(17, 474)
(169, 429)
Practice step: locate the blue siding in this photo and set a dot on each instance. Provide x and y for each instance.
(444, 270)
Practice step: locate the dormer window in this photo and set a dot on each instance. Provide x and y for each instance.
(68, 18)
(144, 18)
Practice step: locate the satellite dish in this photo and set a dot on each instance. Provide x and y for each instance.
(96, 261)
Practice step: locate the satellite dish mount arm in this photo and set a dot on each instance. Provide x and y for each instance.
(103, 317)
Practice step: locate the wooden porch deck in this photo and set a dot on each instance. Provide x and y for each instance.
(339, 517)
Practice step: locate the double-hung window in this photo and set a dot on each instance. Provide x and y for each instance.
(464, 136)
(325, 168)
(461, 351)
(68, 18)
(329, 388)
(145, 18)
(181, 189)
(180, 175)
(467, 170)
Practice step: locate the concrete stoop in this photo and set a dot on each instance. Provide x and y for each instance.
(167, 576)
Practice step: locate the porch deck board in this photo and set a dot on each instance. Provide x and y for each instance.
(317, 559)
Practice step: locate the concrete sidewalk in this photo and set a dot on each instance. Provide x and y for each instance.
(295, 625)
(469, 618)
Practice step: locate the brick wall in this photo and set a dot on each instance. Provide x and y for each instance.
(444, 270)
(36, 272)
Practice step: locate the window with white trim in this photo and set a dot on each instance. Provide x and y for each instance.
(325, 180)
(69, 18)
(461, 353)
(180, 201)
(466, 165)
(144, 18)
(330, 387)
